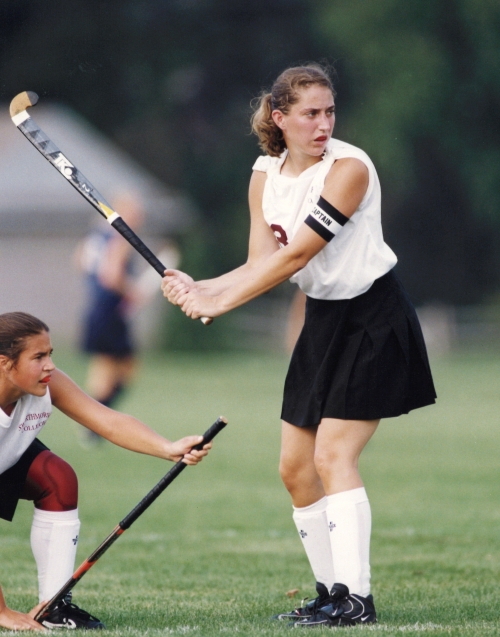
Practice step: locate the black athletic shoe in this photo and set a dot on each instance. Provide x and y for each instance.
(358, 610)
(342, 609)
(307, 609)
(68, 615)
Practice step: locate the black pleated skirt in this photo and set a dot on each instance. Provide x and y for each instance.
(359, 359)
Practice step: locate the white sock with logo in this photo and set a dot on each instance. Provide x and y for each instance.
(349, 522)
(312, 526)
(54, 538)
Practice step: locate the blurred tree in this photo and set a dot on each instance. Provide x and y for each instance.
(171, 81)
(419, 91)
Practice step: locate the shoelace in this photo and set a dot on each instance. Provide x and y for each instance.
(315, 604)
(78, 612)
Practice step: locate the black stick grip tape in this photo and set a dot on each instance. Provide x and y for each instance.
(129, 235)
(212, 431)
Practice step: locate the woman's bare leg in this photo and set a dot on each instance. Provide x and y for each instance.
(106, 372)
(339, 444)
(309, 502)
(297, 468)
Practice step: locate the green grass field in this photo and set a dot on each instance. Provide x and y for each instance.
(218, 551)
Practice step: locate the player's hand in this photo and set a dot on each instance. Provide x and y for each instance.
(197, 305)
(176, 284)
(12, 620)
(183, 450)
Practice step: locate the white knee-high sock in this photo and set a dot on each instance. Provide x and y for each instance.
(54, 537)
(312, 526)
(349, 522)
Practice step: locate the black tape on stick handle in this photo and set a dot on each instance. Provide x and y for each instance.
(127, 233)
(127, 521)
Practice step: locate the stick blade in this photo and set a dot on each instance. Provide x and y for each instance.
(22, 101)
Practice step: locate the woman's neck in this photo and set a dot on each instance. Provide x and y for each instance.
(8, 398)
(295, 163)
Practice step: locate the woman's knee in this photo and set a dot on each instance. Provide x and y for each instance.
(340, 443)
(286, 471)
(51, 483)
(300, 479)
(332, 460)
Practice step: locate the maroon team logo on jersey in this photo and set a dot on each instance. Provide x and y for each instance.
(29, 423)
(280, 235)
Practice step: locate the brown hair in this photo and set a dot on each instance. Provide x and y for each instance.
(284, 93)
(15, 327)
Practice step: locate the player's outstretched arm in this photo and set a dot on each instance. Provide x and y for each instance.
(120, 429)
(13, 620)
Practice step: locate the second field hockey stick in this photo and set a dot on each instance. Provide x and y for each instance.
(127, 521)
(51, 152)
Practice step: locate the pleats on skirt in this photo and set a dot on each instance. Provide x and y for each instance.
(359, 359)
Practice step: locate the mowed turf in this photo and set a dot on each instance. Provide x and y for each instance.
(218, 551)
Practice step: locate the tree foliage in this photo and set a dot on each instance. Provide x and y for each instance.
(422, 97)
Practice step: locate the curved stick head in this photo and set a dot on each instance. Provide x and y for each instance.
(22, 101)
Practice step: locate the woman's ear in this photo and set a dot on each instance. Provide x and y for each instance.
(279, 119)
(5, 363)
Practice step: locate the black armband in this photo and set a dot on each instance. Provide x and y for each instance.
(326, 220)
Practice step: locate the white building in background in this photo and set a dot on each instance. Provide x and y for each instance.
(42, 218)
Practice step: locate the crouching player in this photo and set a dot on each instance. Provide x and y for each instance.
(30, 385)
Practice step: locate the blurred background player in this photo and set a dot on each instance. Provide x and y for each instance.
(115, 295)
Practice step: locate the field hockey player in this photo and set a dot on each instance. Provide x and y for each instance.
(315, 207)
(30, 385)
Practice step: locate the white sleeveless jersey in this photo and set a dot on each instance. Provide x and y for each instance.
(349, 264)
(18, 430)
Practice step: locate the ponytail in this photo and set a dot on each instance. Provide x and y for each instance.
(270, 135)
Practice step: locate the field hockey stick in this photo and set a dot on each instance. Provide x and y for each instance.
(127, 521)
(30, 129)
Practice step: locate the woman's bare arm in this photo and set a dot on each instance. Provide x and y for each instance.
(345, 188)
(262, 243)
(120, 429)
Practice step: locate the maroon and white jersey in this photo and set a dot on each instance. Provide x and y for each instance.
(18, 430)
(356, 254)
